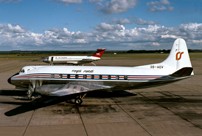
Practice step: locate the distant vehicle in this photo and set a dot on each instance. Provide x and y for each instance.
(75, 60)
(76, 81)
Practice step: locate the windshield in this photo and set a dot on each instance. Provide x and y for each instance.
(22, 71)
(26, 69)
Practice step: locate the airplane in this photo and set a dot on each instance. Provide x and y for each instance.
(75, 60)
(76, 81)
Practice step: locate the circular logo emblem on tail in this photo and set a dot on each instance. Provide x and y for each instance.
(179, 55)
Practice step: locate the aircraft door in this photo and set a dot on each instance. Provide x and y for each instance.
(51, 61)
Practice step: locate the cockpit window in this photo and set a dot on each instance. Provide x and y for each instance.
(22, 71)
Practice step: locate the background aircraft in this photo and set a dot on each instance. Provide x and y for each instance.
(75, 60)
(76, 81)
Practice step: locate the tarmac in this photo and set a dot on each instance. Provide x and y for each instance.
(170, 110)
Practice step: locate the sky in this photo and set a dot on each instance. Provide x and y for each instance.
(91, 24)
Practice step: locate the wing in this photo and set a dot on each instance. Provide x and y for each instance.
(83, 61)
(70, 88)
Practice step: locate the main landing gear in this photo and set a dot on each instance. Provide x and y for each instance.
(79, 99)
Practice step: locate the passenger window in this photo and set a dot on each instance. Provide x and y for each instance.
(84, 76)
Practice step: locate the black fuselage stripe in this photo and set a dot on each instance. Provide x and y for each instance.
(89, 76)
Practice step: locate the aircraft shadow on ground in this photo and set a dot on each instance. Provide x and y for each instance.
(44, 101)
(33, 105)
(109, 94)
(13, 92)
(25, 106)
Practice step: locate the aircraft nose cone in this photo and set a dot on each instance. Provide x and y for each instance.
(45, 60)
(9, 80)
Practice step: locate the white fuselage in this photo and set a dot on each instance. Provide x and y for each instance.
(70, 59)
(122, 77)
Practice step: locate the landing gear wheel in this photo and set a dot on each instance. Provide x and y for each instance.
(78, 101)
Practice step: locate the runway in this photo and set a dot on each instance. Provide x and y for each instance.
(171, 110)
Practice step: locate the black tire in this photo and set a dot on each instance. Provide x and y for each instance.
(78, 101)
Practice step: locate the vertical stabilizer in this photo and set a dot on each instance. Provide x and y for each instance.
(99, 53)
(179, 56)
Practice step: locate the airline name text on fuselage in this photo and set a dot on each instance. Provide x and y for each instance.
(84, 71)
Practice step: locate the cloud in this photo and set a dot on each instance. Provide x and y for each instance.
(168, 36)
(160, 5)
(95, 1)
(111, 36)
(109, 27)
(140, 21)
(69, 1)
(63, 36)
(114, 6)
(122, 21)
(15, 37)
(137, 21)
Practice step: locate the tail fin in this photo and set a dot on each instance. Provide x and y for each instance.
(99, 53)
(179, 56)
